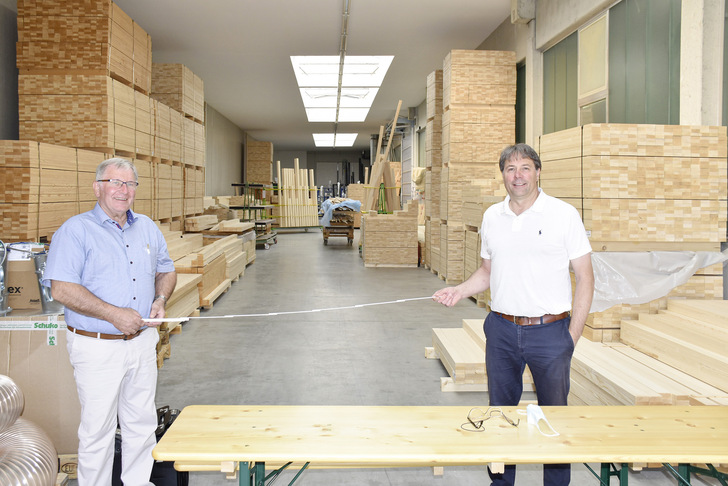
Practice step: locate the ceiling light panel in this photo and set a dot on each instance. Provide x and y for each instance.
(334, 140)
(326, 97)
(323, 71)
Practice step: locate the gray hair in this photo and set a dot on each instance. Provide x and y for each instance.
(117, 162)
(519, 151)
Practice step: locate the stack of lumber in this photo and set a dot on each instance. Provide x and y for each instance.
(235, 259)
(643, 188)
(390, 240)
(478, 121)
(690, 335)
(616, 374)
(475, 201)
(85, 77)
(184, 302)
(178, 87)
(433, 163)
(57, 177)
(462, 351)
(200, 223)
(297, 197)
(82, 35)
(180, 245)
(259, 162)
(210, 262)
(357, 193)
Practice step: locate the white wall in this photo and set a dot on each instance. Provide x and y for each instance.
(223, 153)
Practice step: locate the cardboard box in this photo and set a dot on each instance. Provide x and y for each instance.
(37, 360)
(22, 281)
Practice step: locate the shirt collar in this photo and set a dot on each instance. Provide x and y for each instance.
(101, 215)
(537, 206)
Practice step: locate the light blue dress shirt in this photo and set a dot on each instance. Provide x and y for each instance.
(116, 264)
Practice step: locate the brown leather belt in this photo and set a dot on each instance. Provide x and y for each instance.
(101, 335)
(532, 321)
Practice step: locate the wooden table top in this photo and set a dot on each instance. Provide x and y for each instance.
(389, 436)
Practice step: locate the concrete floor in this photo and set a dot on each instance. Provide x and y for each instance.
(365, 356)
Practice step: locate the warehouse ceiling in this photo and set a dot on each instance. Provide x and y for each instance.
(241, 49)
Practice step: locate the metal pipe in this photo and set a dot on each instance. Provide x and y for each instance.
(28, 455)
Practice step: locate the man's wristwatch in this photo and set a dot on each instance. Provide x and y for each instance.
(160, 296)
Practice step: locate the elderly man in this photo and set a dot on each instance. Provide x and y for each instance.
(111, 270)
(528, 242)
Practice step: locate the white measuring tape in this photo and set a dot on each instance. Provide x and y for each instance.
(230, 316)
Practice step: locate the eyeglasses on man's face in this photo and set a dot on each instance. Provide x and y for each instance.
(117, 183)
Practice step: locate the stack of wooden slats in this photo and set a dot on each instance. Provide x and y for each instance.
(462, 352)
(210, 262)
(433, 163)
(357, 193)
(390, 240)
(677, 357)
(58, 178)
(689, 335)
(297, 197)
(478, 121)
(83, 35)
(84, 82)
(643, 188)
(477, 197)
(176, 86)
(259, 162)
(200, 223)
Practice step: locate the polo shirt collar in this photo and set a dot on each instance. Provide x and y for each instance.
(537, 206)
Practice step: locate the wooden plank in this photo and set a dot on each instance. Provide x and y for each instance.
(699, 390)
(710, 311)
(461, 356)
(711, 367)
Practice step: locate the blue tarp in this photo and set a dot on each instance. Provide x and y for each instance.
(328, 208)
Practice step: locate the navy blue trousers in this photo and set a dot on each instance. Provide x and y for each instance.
(547, 350)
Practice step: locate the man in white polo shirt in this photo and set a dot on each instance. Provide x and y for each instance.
(528, 242)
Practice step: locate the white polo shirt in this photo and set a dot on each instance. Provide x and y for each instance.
(530, 255)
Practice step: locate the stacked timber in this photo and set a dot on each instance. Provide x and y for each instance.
(210, 262)
(259, 162)
(176, 86)
(184, 302)
(478, 121)
(297, 197)
(85, 77)
(357, 193)
(57, 177)
(390, 240)
(462, 352)
(433, 164)
(200, 223)
(477, 197)
(689, 335)
(643, 188)
(82, 35)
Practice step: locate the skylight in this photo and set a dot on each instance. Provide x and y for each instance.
(334, 139)
(325, 101)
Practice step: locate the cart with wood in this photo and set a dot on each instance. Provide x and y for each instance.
(341, 224)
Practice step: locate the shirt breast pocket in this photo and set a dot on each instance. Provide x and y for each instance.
(150, 260)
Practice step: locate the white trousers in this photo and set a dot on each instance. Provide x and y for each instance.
(115, 379)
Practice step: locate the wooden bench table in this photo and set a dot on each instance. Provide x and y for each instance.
(223, 438)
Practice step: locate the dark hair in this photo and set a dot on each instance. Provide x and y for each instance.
(519, 151)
